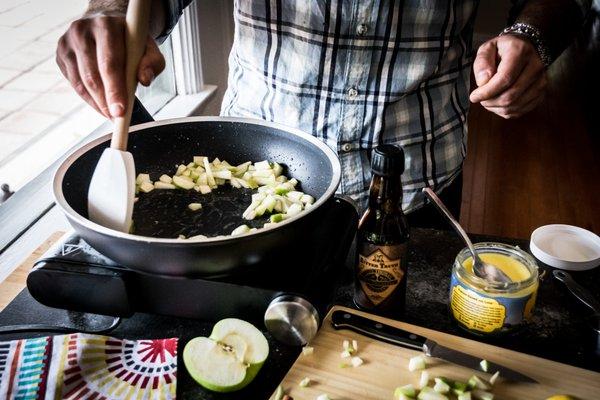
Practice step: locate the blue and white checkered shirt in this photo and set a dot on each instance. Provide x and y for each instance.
(358, 73)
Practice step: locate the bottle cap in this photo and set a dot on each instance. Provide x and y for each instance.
(387, 160)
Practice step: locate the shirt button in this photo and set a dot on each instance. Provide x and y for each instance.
(352, 92)
(347, 147)
(361, 29)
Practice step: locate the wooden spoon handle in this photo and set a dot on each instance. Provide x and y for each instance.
(136, 35)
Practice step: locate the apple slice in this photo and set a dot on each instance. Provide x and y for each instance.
(229, 359)
(213, 366)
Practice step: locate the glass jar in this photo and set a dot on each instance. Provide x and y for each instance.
(493, 308)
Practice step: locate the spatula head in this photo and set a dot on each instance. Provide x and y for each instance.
(112, 190)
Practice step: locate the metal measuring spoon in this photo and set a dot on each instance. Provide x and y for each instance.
(292, 320)
(489, 272)
(578, 291)
(583, 295)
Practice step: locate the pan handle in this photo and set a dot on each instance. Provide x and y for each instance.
(139, 114)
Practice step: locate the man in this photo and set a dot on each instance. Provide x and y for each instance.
(354, 73)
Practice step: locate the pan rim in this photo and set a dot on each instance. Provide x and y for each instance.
(77, 153)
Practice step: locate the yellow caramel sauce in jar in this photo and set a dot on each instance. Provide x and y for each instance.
(493, 308)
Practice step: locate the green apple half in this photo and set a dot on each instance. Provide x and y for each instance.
(229, 359)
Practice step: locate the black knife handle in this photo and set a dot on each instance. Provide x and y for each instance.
(139, 114)
(376, 330)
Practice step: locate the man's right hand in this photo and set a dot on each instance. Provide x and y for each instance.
(91, 55)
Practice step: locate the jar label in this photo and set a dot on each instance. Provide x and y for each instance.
(476, 312)
(482, 313)
(379, 273)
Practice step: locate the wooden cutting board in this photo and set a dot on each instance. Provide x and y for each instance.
(386, 367)
(16, 281)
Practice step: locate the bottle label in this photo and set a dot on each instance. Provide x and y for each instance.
(380, 270)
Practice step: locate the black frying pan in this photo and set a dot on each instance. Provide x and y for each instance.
(161, 215)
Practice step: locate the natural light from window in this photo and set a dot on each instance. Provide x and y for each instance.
(34, 96)
(41, 117)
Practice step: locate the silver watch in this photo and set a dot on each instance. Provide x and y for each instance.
(534, 36)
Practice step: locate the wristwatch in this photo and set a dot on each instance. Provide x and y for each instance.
(534, 36)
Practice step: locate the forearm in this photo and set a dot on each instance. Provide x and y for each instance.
(119, 7)
(557, 20)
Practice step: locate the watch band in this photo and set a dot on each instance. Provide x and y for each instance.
(535, 37)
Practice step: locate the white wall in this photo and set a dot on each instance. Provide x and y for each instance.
(491, 19)
(216, 33)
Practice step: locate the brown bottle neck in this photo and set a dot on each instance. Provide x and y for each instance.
(385, 193)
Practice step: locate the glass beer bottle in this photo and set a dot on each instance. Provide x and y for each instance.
(380, 279)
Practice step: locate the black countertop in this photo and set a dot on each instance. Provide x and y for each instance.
(557, 330)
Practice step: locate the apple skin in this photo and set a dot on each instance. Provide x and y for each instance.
(251, 373)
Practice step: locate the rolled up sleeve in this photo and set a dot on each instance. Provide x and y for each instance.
(173, 11)
(584, 6)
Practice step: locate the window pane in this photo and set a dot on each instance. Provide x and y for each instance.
(41, 116)
(163, 88)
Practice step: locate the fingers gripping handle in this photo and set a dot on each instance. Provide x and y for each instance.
(136, 34)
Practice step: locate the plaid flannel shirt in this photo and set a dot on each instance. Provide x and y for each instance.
(358, 73)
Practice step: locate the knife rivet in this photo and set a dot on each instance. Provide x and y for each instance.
(347, 316)
(413, 336)
(378, 326)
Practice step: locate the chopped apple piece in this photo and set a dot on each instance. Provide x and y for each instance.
(304, 382)
(146, 187)
(165, 178)
(308, 350)
(194, 206)
(416, 363)
(183, 183)
(240, 230)
(162, 185)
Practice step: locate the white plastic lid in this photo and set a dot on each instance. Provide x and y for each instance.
(566, 247)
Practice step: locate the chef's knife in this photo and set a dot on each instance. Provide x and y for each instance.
(376, 330)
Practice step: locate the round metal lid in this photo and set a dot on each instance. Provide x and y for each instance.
(292, 320)
(566, 247)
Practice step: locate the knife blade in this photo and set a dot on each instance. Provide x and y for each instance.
(396, 336)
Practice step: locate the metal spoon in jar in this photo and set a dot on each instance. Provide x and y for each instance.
(483, 270)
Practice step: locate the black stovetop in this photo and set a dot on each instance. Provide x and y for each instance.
(556, 331)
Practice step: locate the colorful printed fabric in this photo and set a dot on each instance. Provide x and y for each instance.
(80, 366)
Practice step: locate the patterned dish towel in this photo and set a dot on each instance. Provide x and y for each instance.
(81, 366)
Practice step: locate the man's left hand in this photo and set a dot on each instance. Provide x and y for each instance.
(510, 76)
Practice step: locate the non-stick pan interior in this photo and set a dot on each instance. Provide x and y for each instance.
(159, 149)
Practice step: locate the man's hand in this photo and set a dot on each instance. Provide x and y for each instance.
(510, 76)
(91, 55)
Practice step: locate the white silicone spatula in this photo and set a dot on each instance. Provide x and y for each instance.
(112, 188)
